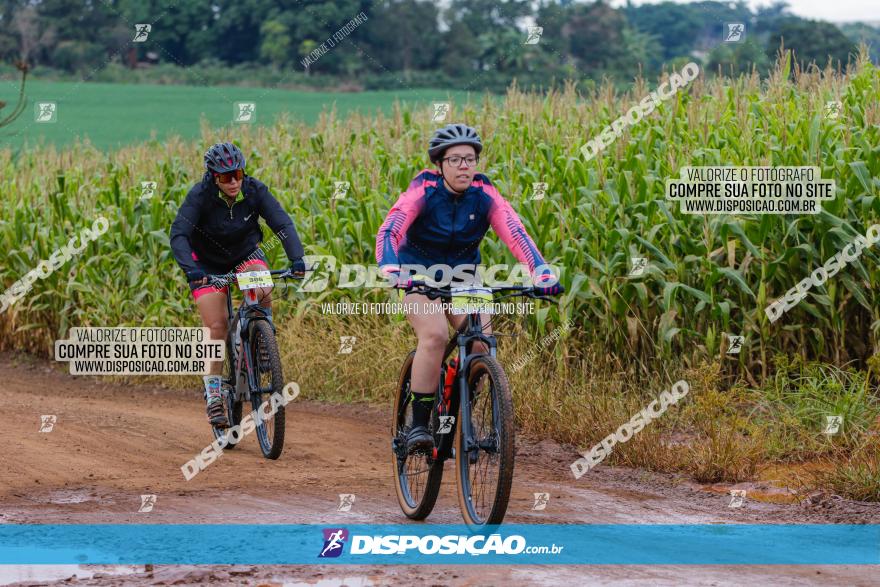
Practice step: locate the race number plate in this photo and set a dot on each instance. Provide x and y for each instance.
(470, 299)
(254, 279)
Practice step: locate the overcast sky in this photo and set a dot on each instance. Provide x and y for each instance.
(831, 10)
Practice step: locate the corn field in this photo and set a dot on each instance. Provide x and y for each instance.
(708, 275)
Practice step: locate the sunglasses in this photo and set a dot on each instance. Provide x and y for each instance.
(229, 176)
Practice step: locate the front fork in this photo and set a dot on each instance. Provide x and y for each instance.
(460, 400)
(246, 377)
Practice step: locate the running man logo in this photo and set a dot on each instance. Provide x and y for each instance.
(638, 266)
(334, 541)
(147, 503)
(833, 424)
(535, 33)
(47, 423)
(245, 112)
(734, 344)
(141, 32)
(441, 109)
(541, 501)
(340, 189)
(346, 500)
(735, 32)
(346, 344)
(539, 189)
(737, 497)
(45, 112)
(446, 423)
(148, 188)
(318, 279)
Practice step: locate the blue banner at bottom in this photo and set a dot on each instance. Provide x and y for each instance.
(729, 544)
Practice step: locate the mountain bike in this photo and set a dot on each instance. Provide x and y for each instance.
(472, 422)
(252, 367)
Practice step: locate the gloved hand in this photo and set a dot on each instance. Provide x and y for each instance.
(197, 277)
(549, 290)
(298, 267)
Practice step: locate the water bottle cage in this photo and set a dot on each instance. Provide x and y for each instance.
(448, 382)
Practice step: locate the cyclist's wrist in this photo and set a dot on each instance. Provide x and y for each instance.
(195, 275)
(392, 274)
(298, 266)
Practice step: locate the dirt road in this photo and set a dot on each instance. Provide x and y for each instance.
(111, 443)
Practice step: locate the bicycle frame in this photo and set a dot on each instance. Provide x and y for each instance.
(470, 331)
(242, 320)
(248, 311)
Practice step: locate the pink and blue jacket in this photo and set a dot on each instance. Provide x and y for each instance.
(429, 225)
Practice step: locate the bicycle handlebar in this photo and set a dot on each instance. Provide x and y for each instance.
(281, 273)
(432, 292)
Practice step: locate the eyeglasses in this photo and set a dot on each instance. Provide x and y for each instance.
(455, 160)
(228, 177)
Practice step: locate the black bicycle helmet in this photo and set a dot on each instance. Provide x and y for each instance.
(224, 157)
(451, 135)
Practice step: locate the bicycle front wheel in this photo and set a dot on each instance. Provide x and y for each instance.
(265, 362)
(484, 446)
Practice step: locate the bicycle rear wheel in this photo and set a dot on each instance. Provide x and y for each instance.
(484, 446)
(266, 364)
(417, 476)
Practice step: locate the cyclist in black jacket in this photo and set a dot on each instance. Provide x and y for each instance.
(217, 231)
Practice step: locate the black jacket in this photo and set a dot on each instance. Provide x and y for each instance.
(221, 235)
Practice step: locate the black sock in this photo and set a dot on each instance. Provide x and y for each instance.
(422, 403)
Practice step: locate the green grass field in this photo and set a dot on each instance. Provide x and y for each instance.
(113, 115)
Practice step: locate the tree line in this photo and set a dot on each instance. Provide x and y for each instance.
(465, 43)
